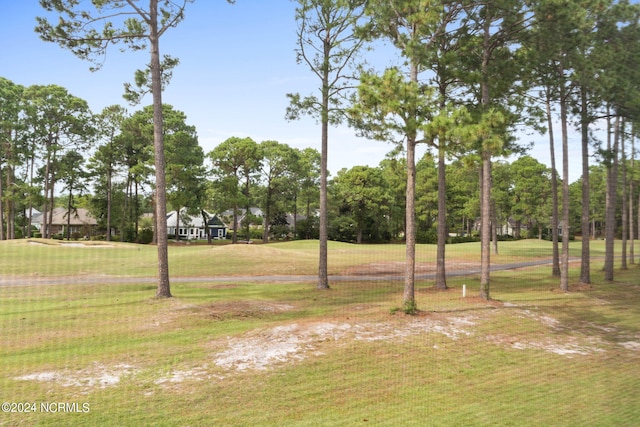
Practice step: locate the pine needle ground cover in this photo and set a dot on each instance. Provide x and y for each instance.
(96, 348)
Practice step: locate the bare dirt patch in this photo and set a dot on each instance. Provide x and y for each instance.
(245, 309)
(267, 348)
(264, 348)
(631, 345)
(89, 378)
(393, 268)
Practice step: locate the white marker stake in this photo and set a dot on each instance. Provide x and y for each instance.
(464, 291)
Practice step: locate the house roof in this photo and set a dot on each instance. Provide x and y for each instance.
(241, 212)
(79, 216)
(187, 220)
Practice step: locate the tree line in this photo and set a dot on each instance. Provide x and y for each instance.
(472, 73)
(366, 204)
(469, 75)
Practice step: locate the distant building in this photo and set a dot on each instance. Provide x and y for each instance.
(80, 222)
(193, 227)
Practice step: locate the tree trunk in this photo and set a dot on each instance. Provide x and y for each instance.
(234, 238)
(1, 205)
(610, 221)
(247, 206)
(631, 191)
(485, 227)
(69, 206)
(45, 219)
(163, 290)
(564, 271)
(267, 217)
(136, 210)
(441, 278)
(125, 209)
(295, 216)
(52, 201)
(408, 297)
(323, 276)
(205, 221)
(585, 263)
(485, 193)
(11, 203)
(109, 204)
(31, 167)
(555, 269)
(625, 216)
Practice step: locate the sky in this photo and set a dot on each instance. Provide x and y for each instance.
(237, 63)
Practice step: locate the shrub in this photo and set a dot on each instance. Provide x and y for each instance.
(426, 236)
(145, 236)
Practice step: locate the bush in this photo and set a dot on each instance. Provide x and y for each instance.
(462, 239)
(308, 229)
(129, 235)
(428, 236)
(280, 232)
(255, 233)
(342, 229)
(145, 236)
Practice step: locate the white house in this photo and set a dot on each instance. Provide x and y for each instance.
(193, 227)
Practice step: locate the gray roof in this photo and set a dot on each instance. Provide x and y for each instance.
(80, 216)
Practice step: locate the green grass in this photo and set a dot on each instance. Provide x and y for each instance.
(42, 258)
(533, 356)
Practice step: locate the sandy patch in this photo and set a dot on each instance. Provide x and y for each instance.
(261, 349)
(631, 345)
(71, 244)
(270, 347)
(95, 376)
(178, 376)
(569, 347)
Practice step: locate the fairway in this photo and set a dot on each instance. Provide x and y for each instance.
(94, 347)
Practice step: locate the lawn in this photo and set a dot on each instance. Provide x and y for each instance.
(242, 353)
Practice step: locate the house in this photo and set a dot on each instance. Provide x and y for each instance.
(193, 227)
(256, 220)
(81, 222)
(255, 214)
(253, 219)
(509, 227)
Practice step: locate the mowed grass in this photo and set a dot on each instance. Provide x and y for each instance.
(45, 258)
(533, 356)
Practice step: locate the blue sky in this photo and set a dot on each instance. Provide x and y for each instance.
(237, 63)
